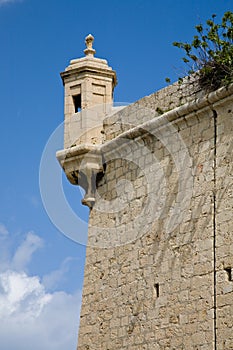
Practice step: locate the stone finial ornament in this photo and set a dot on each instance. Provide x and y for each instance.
(89, 51)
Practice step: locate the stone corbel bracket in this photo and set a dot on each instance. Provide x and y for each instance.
(82, 164)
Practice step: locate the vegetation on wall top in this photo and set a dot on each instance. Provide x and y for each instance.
(210, 55)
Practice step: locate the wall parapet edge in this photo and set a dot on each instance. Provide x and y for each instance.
(195, 105)
(130, 116)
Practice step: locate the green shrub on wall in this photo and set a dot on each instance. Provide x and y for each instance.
(210, 54)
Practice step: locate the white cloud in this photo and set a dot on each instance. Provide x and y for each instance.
(21, 293)
(30, 316)
(3, 229)
(23, 254)
(52, 279)
(4, 247)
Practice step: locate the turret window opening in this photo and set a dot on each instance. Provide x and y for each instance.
(77, 103)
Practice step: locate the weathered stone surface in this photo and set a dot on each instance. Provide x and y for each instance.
(193, 309)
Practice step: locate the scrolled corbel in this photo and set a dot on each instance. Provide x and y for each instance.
(82, 165)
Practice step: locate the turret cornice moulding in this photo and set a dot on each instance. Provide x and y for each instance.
(85, 65)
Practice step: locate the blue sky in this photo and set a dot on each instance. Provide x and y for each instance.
(41, 270)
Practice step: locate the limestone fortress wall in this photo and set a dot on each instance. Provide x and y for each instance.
(159, 261)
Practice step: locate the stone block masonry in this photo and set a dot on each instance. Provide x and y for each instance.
(223, 225)
(159, 262)
(158, 181)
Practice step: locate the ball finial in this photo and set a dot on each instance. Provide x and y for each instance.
(89, 51)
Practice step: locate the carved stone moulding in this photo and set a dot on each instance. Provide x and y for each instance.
(82, 164)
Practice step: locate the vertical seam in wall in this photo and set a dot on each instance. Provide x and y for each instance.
(214, 229)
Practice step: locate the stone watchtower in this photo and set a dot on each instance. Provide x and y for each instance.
(89, 84)
(158, 181)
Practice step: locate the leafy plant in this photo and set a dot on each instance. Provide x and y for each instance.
(210, 54)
